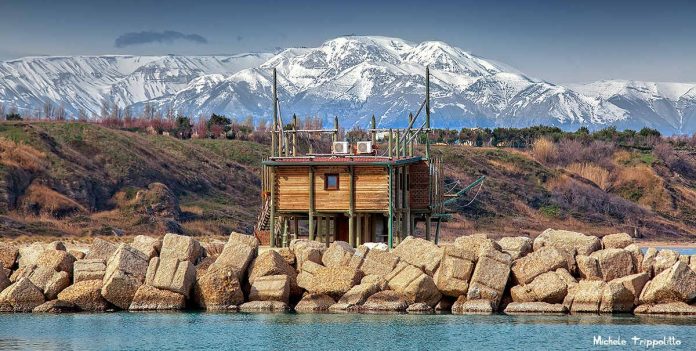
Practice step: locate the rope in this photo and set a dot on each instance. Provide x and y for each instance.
(475, 195)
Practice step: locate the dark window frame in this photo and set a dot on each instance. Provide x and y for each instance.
(326, 181)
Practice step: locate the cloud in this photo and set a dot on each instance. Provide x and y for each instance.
(146, 37)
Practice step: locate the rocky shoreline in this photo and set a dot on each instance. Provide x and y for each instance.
(558, 272)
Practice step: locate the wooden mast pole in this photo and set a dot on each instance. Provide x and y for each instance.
(294, 135)
(275, 117)
(374, 126)
(427, 112)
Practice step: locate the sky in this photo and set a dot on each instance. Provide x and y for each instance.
(559, 41)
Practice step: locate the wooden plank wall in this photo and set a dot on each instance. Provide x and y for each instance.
(371, 189)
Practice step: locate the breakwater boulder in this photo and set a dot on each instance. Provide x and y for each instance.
(557, 272)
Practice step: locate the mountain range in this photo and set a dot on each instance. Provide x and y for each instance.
(350, 77)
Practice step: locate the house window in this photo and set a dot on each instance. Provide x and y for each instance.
(331, 182)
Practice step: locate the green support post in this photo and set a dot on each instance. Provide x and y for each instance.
(390, 229)
(273, 210)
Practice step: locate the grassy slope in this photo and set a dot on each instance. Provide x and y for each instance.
(217, 184)
(90, 164)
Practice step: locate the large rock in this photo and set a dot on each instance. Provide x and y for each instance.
(170, 273)
(614, 263)
(93, 269)
(649, 261)
(452, 278)
(307, 251)
(616, 241)
(147, 245)
(150, 298)
(570, 242)
(100, 249)
(4, 280)
(218, 290)
(621, 294)
(420, 253)
(675, 284)
(272, 263)
(57, 283)
(385, 301)
(181, 247)
(588, 267)
(516, 247)
(270, 288)
(616, 298)
(334, 281)
(358, 294)
(21, 296)
(238, 253)
(549, 287)
(56, 245)
(546, 259)
(29, 254)
(664, 260)
(476, 244)
(212, 248)
(55, 306)
(306, 277)
(264, 306)
(8, 255)
(490, 277)
(535, 308)
(588, 296)
(420, 308)
(57, 260)
(314, 303)
(413, 284)
(86, 295)
(125, 272)
(478, 306)
(671, 308)
(374, 262)
(338, 254)
(637, 256)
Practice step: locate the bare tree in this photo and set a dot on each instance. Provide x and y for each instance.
(60, 113)
(2, 111)
(48, 110)
(104, 110)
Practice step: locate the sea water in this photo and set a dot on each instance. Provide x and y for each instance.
(292, 331)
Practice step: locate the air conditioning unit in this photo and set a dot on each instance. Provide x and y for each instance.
(340, 147)
(364, 147)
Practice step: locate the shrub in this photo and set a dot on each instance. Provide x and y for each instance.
(545, 150)
(593, 173)
(21, 156)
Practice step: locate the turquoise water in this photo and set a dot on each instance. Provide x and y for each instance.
(239, 331)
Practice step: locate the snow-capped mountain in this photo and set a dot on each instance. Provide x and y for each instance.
(83, 82)
(350, 77)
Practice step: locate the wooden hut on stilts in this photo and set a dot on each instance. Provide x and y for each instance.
(356, 193)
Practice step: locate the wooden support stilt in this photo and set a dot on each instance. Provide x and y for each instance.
(427, 226)
(390, 219)
(351, 213)
(311, 204)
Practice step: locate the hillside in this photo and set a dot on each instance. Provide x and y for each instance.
(82, 179)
